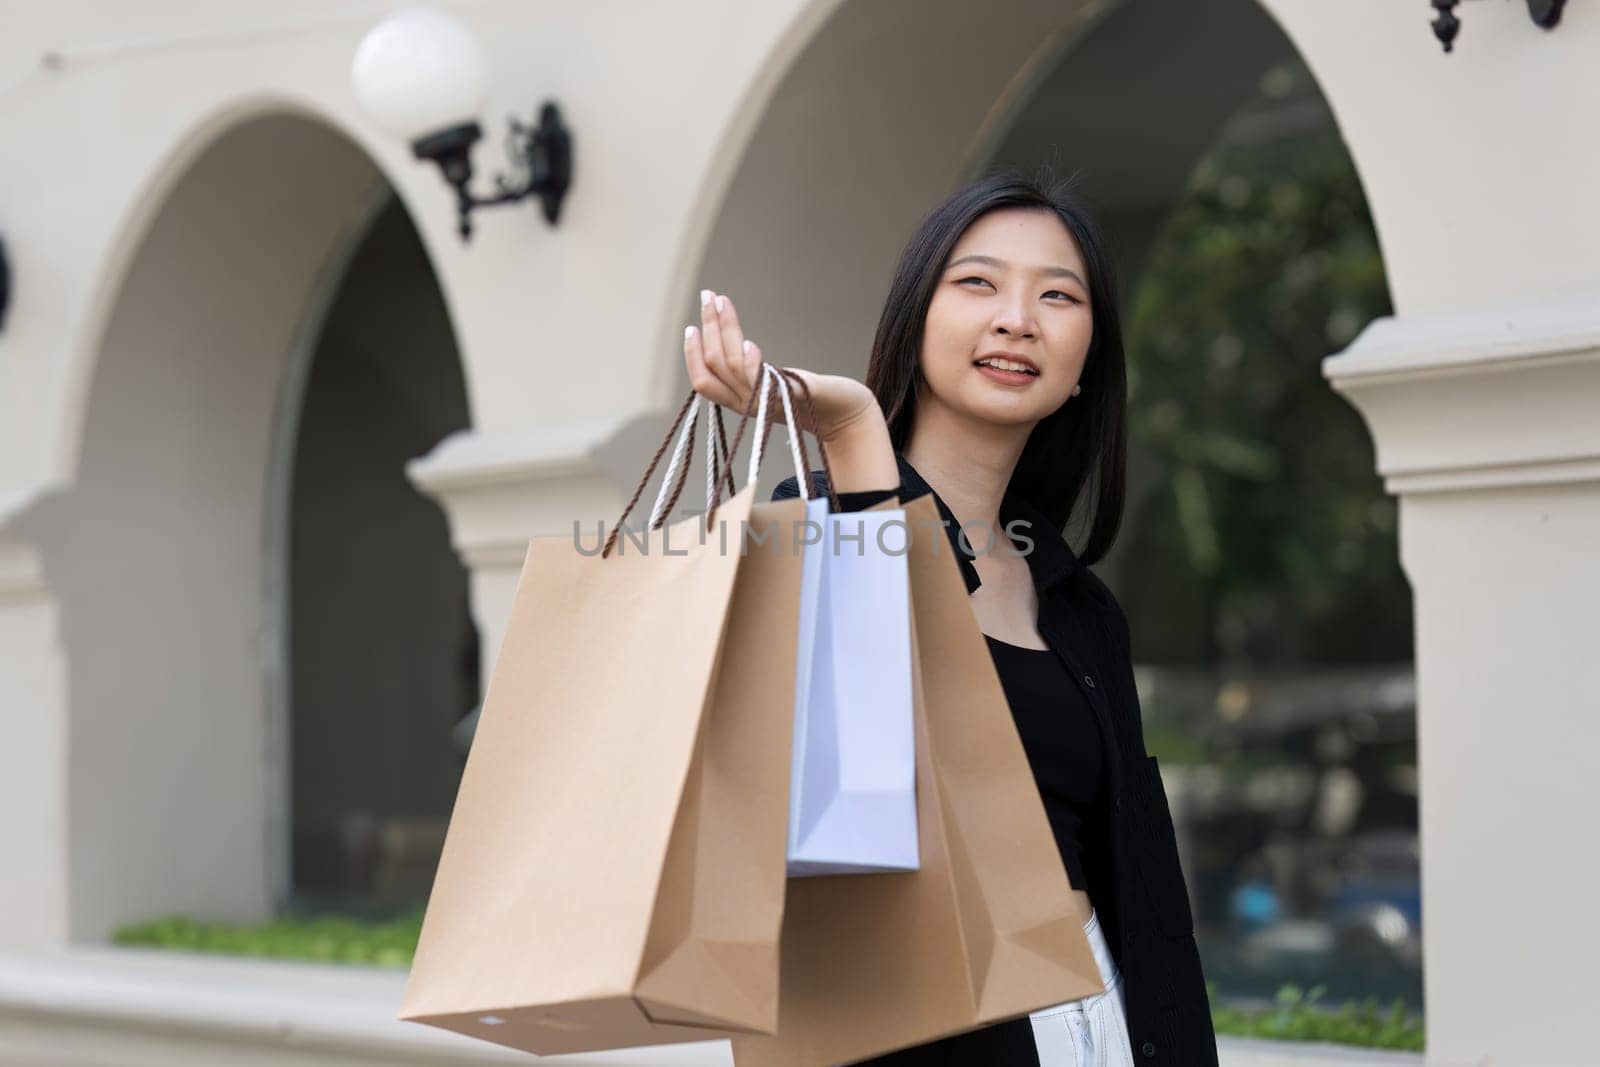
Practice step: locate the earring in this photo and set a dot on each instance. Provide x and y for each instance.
(1076, 389)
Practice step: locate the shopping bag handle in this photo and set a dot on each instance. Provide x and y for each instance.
(690, 404)
(678, 466)
(804, 479)
(778, 378)
(727, 454)
(690, 408)
(770, 379)
(797, 443)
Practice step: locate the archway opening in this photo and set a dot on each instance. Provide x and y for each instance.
(1259, 559)
(1258, 562)
(383, 650)
(248, 361)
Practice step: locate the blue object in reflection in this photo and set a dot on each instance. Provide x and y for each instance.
(1255, 904)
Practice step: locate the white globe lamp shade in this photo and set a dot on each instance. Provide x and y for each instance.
(419, 72)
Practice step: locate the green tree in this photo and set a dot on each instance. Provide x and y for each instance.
(1268, 539)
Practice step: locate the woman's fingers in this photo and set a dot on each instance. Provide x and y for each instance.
(712, 343)
(733, 340)
(728, 360)
(708, 384)
(701, 379)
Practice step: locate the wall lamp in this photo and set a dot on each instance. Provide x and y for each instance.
(422, 75)
(1545, 15)
(5, 284)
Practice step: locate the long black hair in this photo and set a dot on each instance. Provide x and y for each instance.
(1080, 448)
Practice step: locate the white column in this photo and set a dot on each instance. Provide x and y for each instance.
(1487, 428)
(33, 751)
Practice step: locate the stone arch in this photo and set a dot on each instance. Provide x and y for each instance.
(885, 107)
(164, 552)
(874, 111)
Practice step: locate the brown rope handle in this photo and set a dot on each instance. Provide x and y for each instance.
(725, 467)
(822, 446)
(650, 470)
(722, 443)
(683, 475)
(805, 458)
(805, 455)
(688, 461)
(766, 435)
(727, 451)
(727, 455)
(683, 472)
(738, 436)
(716, 498)
(655, 461)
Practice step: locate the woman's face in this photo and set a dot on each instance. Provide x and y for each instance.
(1014, 289)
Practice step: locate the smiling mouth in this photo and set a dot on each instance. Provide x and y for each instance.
(1015, 368)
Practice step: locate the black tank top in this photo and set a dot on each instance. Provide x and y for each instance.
(1061, 736)
(1062, 739)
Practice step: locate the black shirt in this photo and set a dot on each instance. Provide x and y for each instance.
(1064, 748)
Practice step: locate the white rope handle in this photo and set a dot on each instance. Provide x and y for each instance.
(713, 467)
(685, 440)
(689, 419)
(789, 424)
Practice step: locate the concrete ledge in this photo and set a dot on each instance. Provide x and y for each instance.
(500, 490)
(21, 576)
(1254, 1052)
(138, 1006)
(144, 1008)
(1477, 400)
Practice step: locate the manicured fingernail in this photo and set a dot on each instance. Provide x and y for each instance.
(747, 346)
(722, 303)
(688, 333)
(705, 297)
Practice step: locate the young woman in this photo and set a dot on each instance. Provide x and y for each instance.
(997, 383)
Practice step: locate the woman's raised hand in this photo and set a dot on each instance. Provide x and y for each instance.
(724, 366)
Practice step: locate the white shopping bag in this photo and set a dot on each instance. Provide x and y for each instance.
(852, 790)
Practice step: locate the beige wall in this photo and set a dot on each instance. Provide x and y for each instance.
(96, 140)
(154, 554)
(1475, 164)
(150, 332)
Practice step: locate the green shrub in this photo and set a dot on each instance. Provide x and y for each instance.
(1295, 1016)
(1300, 1016)
(321, 938)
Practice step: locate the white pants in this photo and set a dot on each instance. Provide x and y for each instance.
(1091, 1032)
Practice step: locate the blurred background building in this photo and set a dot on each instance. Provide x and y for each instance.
(273, 437)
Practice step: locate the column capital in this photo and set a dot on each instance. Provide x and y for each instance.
(1479, 400)
(501, 489)
(22, 576)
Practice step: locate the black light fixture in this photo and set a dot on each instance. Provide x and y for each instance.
(422, 74)
(1545, 15)
(5, 284)
(543, 153)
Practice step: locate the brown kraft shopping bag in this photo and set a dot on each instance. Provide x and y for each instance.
(613, 872)
(987, 929)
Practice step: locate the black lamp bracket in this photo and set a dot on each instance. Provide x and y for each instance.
(1544, 13)
(5, 284)
(541, 161)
